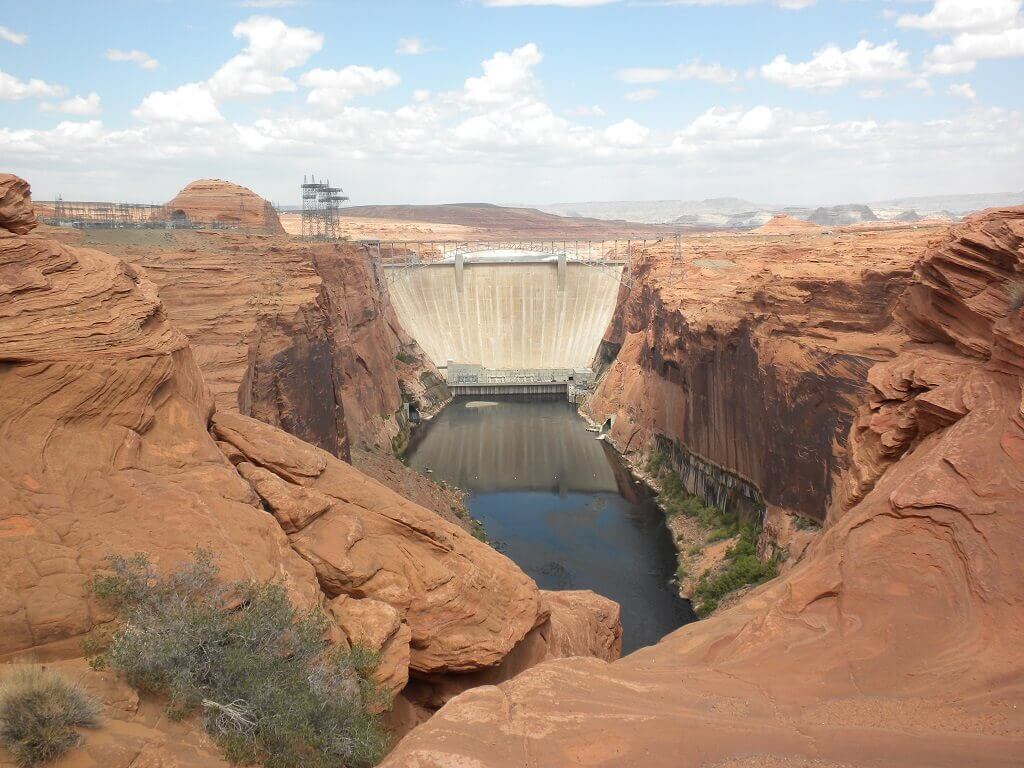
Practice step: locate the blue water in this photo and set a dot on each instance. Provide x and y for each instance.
(560, 504)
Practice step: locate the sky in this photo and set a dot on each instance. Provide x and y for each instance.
(516, 101)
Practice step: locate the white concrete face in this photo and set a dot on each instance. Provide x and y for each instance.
(507, 315)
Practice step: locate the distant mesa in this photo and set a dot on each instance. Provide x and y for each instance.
(842, 215)
(219, 202)
(782, 223)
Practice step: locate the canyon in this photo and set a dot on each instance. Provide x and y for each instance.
(893, 637)
(244, 391)
(114, 444)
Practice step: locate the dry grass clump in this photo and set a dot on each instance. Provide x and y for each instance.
(40, 714)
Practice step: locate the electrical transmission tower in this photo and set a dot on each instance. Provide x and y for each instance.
(320, 202)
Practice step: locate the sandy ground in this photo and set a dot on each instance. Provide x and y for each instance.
(382, 229)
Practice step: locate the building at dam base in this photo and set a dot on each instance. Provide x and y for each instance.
(521, 321)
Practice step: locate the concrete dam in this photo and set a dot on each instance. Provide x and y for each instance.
(510, 313)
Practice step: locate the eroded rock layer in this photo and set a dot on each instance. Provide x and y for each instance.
(219, 202)
(111, 444)
(751, 353)
(894, 641)
(298, 335)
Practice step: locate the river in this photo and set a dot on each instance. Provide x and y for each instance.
(560, 503)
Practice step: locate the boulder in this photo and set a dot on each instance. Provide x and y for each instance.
(378, 627)
(466, 604)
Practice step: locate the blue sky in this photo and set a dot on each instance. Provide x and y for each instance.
(534, 101)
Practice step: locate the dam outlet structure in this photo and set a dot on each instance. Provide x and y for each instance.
(508, 318)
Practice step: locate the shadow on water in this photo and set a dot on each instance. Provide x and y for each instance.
(561, 504)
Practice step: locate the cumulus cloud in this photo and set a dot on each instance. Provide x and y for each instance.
(13, 89)
(15, 38)
(627, 133)
(963, 90)
(135, 56)
(82, 106)
(272, 48)
(967, 48)
(192, 103)
(694, 70)
(507, 76)
(964, 15)
(330, 89)
(832, 67)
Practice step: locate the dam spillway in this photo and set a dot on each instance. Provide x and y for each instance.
(507, 315)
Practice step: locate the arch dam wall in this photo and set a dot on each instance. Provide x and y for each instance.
(507, 315)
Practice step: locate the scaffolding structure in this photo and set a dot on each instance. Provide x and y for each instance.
(100, 215)
(320, 203)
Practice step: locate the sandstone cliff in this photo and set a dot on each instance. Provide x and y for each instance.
(219, 202)
(299, 335)
(111, 443)
(749, 356)
(895, 641)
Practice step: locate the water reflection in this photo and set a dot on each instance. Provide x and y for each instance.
(560, 504)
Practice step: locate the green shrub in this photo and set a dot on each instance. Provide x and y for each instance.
(40, 714)
(657, 460)
(806, 524)
(405, 357)
(740, 568)
(271, 690)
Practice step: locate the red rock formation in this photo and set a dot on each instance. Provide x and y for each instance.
(103, 419)
(16, 212)
(781, 224)
(466, 604)
(105, 449)
(299, 335)
(215, 201)
(895, 641)
(751, 354)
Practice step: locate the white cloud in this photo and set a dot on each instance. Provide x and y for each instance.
(964, 15)
(627, 133)
(330, 89)
(584, 110)
(13, 89)
(412, 46)
(872, 93)
(83, 106)
(694, 70)
(641, 94)
(968, 48)
(963, 90)
(141, 58)
(506, 77)
(15, 38)
(832, 67)
(272, 48)
(191, 103)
